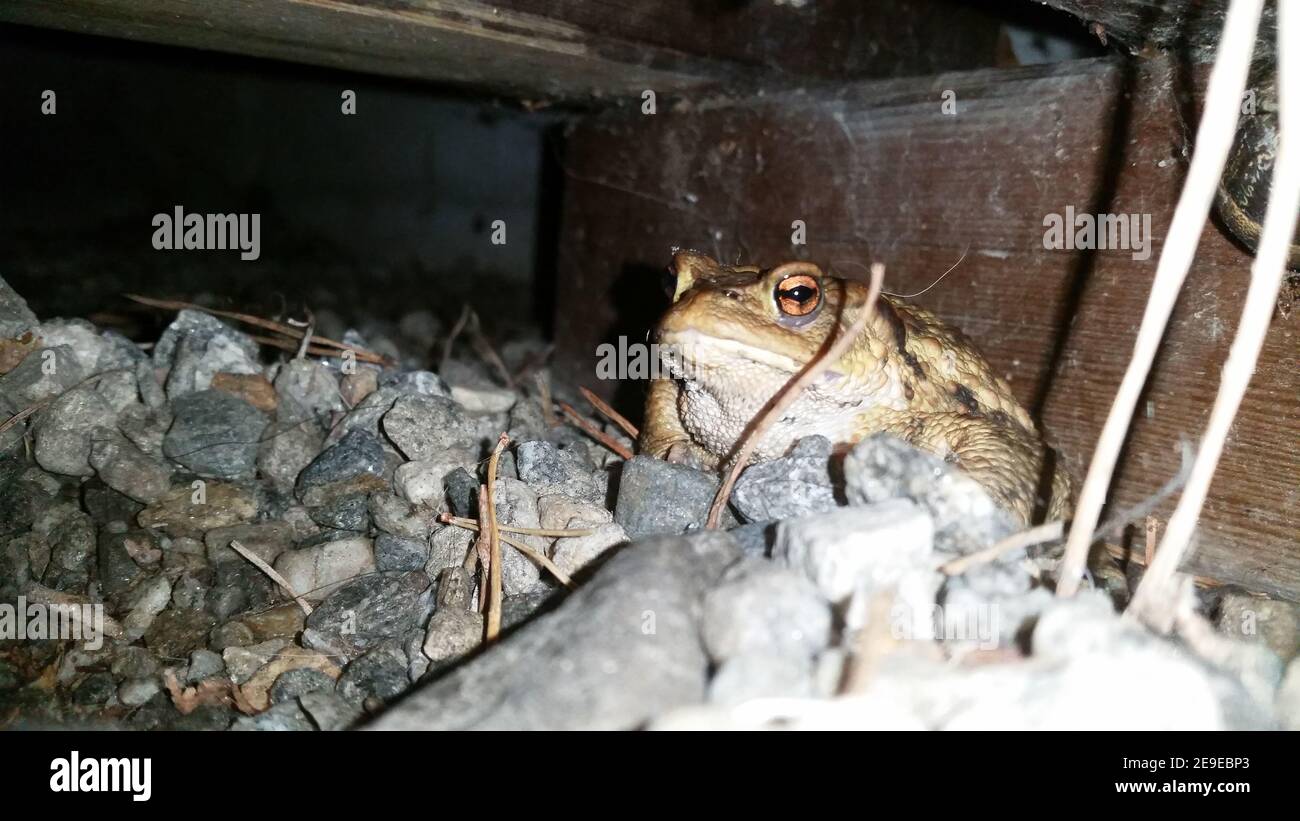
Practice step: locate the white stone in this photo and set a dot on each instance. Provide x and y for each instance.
(315, 572)
(870, 547)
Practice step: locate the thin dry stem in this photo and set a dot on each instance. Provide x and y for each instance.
(1213, 141)
(494, 542)
(261, 322)
(612, 415)
(1152, 601)
(594, 432)
(461, 521)
(271, 572)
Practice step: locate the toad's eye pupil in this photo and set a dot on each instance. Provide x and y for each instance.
(798, 296)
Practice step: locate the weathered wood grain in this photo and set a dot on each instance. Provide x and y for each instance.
(556, 49)
(1192, 26)
(878, 172)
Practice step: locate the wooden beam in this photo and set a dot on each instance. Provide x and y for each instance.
(878, 172)
(1191, 26)
(556, 49)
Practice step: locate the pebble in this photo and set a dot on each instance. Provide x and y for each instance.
(794, 485)
(215, 434)
(868, 547)
(657, 497)
(65, 432)
(315, 572)
(761, 607)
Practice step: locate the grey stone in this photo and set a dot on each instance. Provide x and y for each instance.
(516, 505)
(134, 662)
(117, 570)
(124, 468)
(288, 446)
(71, 537)
(379, 673)
(355, 454)
(656, 497)
(96, 688)
(763, 608)
(16, 318)
(118, 389)
(308, 385)
(119, 353)
(559, 512)
(793, 485)
(174, 634)
(145, 426)
(424, 428)
(397, 553)
(622, 648)
(215, 434)
(447, 548)
(757, 674)
(484, 400)
(143, 604)
(287, 716)
(755, 538)
(64, 433)
(966, 518)
(858, 547)
(242, 662)
(136, 691)
(573, 553)
(461, 489)
(1271, 622)
(204, 664)
(266, 540)
(196, 347)
(363, 613)
(329, 710)
(425, 482)
(78, 336)
(237, 587)
(420, 383)
(298, 682)
(394, 515)
(549, 469)
(42, 375)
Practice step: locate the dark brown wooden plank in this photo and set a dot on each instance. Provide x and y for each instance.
(1190, 26)
(879, 173)
(556, 49)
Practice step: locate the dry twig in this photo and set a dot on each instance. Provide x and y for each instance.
(272, 574)
(611, 414)
(494, 542)
(317, 344)
(1153, 601)
(594, 432)
(1213, 141)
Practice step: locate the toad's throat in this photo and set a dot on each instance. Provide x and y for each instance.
(692, 353)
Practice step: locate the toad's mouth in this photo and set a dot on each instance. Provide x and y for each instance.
(691, 351)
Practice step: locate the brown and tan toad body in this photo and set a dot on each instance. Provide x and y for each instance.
(739, 334)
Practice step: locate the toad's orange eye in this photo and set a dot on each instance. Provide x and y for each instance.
(798, 295)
